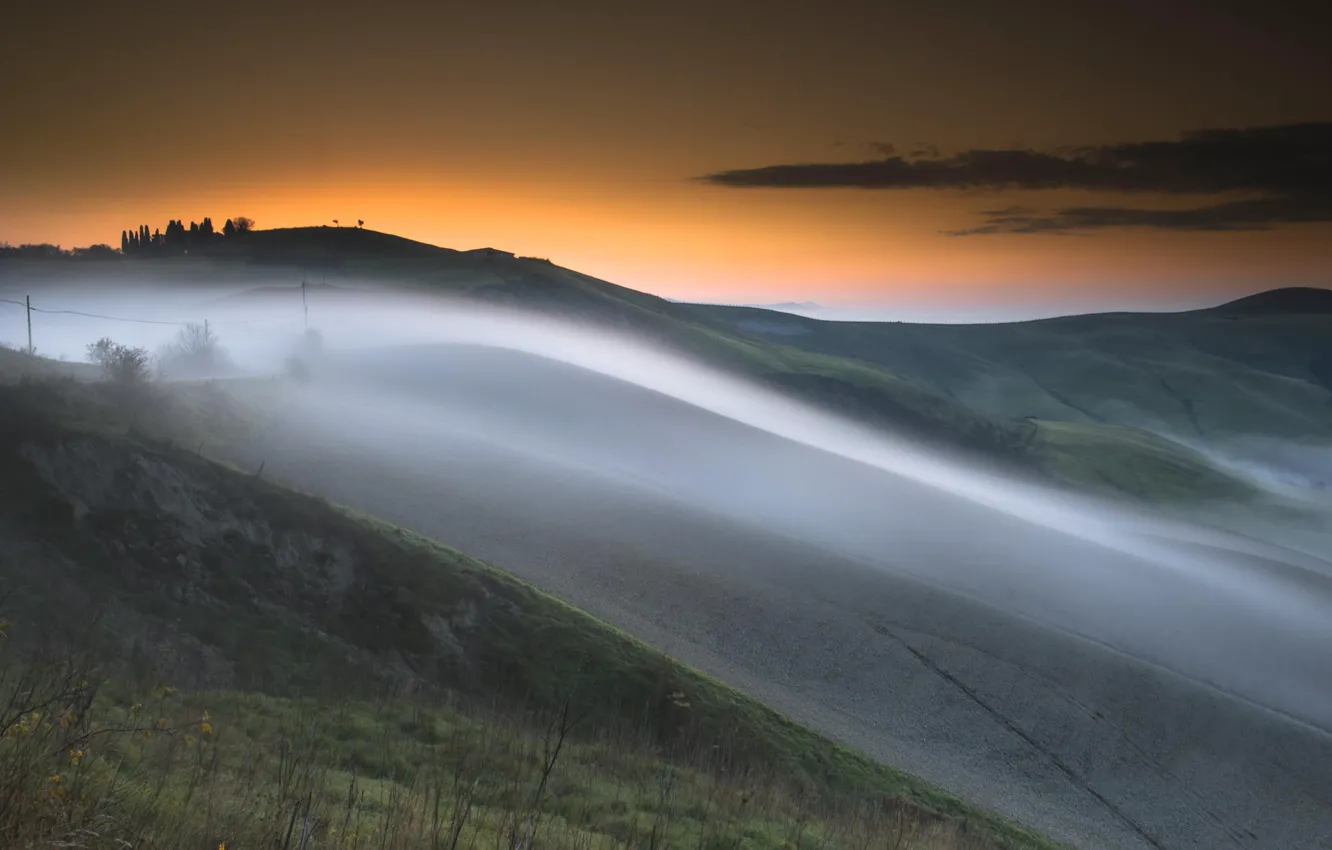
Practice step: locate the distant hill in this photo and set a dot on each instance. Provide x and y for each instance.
(1258, 366)
(296, 244)
(262, 294)
(1293, 300)
(791, 306)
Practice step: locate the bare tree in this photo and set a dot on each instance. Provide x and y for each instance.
(197, 340)
(194, 353)
(243, 223)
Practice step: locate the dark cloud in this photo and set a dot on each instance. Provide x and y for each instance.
(1255, 214)
(1286, 172)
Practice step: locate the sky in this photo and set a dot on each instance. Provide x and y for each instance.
(1029, 156)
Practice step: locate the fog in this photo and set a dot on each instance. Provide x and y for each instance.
(1286, 465)
(1189, 597)
(646, 487)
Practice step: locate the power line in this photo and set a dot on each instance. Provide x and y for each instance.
(123, 319)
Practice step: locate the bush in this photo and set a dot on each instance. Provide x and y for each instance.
(121, 364)
(18, 349)
(298, 370)
(195, 353)
(314, 342)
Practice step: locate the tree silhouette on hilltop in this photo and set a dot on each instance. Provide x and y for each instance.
(177, 238)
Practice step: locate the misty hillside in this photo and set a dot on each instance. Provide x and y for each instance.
(1261, 366)
(299, 628)
(921, 381)
(969, 631)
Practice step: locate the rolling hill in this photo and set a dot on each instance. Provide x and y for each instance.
(324, 651)
(985, 395)
(713, 541)
(1260, 366)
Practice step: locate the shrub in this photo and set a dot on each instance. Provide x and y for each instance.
(195, 353)
(121, 364)
(313, 342)
(297, 369)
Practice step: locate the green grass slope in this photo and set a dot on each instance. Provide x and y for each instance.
(1116, 461)
(1254, 367)
(354, 674)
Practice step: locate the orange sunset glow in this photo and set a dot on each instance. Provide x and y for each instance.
(666, 424)
(588, 137)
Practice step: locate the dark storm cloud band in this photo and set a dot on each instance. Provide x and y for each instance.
(1286, 171)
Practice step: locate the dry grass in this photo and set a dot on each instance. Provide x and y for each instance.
(86, 764)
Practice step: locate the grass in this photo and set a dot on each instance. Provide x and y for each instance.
(89, 765)
(16, 364)
(1203, 374)
(1118, 461)
(356, 673)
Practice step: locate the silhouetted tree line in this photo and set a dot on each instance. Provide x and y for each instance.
(177, 239)
(47, 251)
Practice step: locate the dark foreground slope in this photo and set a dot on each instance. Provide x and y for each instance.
(916, 626)
(348, 669)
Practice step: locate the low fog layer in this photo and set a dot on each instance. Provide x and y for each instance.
(1135, 583)
(820, 563)
(1229, 611)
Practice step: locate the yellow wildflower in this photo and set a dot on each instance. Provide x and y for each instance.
(27, 724)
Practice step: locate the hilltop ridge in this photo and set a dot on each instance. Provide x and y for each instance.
(1289, 299)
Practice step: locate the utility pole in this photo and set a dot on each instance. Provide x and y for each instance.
(305, 306)
(27, 303)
